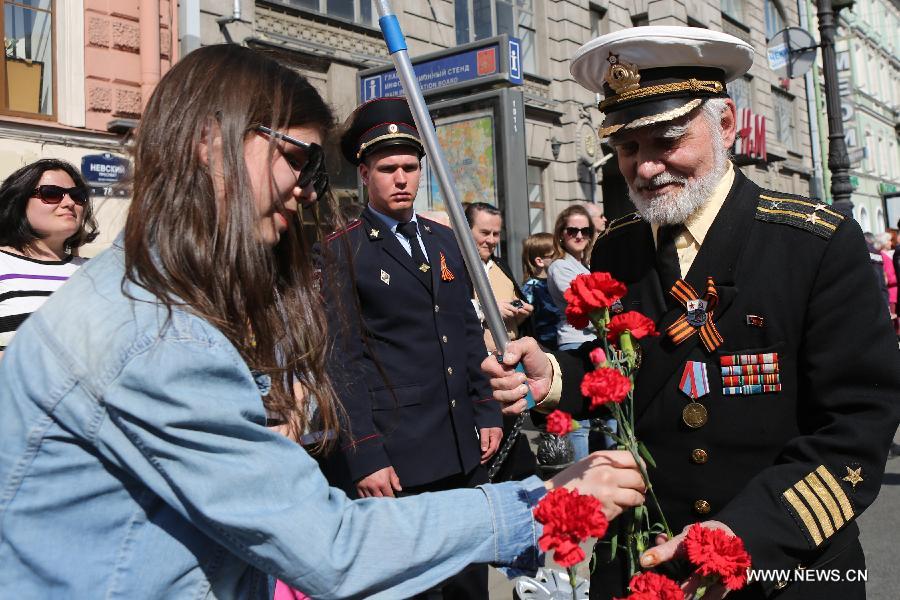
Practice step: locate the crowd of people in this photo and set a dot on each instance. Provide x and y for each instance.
(220, 406)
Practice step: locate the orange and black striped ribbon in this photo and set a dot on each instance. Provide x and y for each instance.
(446, 273)
(681, 330)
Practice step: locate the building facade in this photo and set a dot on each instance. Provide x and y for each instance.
(75, 76)
(77, 73)
(333, 40)
(868, 63)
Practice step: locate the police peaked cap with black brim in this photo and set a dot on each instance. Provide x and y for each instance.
(654, 74)
(379, 124)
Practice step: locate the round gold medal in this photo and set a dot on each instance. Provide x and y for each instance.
(694, 415)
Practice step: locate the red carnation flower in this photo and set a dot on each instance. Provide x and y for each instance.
(598, 356)
(559, 422)
(589, 293)
(569, 518)
(718, 554)
(576, 315)
(605, 385)
(652, 586)
(634, 322)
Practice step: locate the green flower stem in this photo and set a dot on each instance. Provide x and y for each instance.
(630, 443)
(572, 580)
(625, 437)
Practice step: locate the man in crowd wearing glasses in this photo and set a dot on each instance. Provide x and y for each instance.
(770, 398)
(421, 417)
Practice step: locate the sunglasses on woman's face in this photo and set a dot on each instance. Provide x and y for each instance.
(573, 231)
(53, 194)
(312, 170)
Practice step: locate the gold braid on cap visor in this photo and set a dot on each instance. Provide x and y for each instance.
(694, 85)
(381, 138)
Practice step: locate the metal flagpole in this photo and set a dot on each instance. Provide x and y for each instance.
(396, 44)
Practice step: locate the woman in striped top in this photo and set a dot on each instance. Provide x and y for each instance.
(44, 216)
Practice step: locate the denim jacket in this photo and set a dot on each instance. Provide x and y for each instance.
(135, 463)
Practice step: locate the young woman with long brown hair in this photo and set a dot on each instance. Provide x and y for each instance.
(135, 457)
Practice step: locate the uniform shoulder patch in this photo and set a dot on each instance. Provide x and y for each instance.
(348, 228)
(797, 211)
(621, 222)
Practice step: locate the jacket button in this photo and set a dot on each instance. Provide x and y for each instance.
(699, 456)
(437, 308)
(449, 370)
(444, 338)
(702, 507)
(453, 404)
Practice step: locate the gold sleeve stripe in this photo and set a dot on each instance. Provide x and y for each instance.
(804, 515)
(836, 489)
(817, 508)
(804, 203)
(796, 215)
(827, 499)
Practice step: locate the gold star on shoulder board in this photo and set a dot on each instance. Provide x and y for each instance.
(776, 204)
(812, 218)
(819, 207)
(853, 476)
(373, 233)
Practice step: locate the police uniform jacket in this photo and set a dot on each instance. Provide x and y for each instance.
(788, 470)
(410, 376)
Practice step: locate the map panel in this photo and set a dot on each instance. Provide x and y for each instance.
(468, 145)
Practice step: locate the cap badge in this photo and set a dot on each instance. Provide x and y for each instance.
(622, 76)
(392, 128)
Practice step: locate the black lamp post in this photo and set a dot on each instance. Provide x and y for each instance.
(838, 159)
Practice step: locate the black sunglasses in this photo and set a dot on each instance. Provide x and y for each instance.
(312, 170)
(573, 231)
(53, 194)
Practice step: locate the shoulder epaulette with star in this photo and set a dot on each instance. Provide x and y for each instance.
(797, 211)
(615, 224)
(348, 228)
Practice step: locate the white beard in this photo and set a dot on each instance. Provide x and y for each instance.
(677, 206)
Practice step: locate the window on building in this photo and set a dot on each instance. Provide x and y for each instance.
(859, 59)
(733, 9)
(534, 177)
(356, 11)
(479, 19)
(870, 154)
(774, 18)
(599, 21)
(892, 160)
(785, 120)
(26, 71)
(740, 91)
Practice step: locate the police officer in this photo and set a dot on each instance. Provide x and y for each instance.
(770, 400)
(421, 416)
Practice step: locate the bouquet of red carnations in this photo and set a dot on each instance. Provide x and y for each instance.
(719, 560)
(593, 299)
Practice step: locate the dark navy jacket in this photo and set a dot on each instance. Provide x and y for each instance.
(408, 372)
(793, 279)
